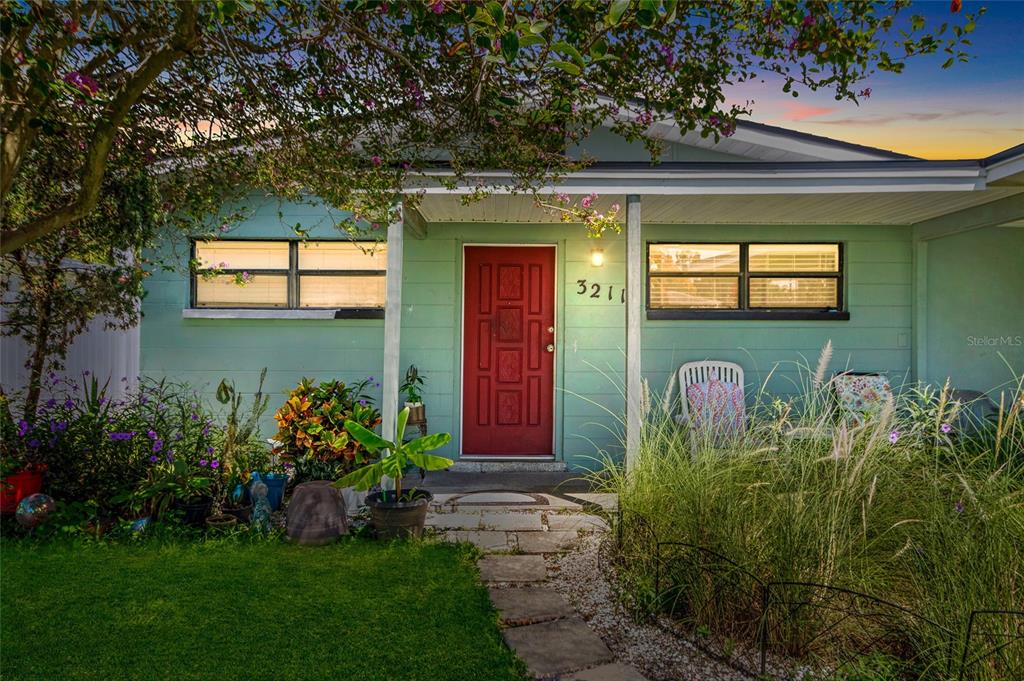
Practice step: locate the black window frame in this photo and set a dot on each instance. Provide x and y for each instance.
(293, 274)
(744, 311)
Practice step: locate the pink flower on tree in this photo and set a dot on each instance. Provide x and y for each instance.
(588, 200)
(376, 160)
(437, 7)
(87, 85)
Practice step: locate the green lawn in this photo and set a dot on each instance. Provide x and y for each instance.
(356, 610)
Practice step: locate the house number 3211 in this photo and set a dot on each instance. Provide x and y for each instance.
(592, 289)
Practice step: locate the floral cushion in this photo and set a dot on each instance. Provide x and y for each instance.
(716, 405)
(861, 396)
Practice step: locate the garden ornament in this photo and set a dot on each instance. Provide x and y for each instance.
(261, 506)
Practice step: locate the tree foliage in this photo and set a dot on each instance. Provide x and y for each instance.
(354, 101)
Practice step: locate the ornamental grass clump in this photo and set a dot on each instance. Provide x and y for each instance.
(311, 427)
(920, 506)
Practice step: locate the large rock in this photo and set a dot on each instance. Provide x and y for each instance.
(316, 514)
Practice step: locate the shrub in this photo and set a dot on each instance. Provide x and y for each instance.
(312, 433)
(903, 508)
(98, 450)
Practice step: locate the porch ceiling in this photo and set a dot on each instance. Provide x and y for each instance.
(868, 208)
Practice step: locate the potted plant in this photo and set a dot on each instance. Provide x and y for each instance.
(413, 390)
(20, 474)
(242, 451)
(312, 434)
(397, 512)
(173, 483)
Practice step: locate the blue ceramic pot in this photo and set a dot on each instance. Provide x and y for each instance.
(275, 483)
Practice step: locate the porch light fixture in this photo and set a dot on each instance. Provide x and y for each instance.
(597, 257)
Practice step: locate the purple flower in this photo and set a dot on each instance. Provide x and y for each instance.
(202, 462)
(158, 445)
(809, 20)
(178, 436)
(170, 456)
(122, 435)
(22, 428)
(69, 404)
(362, 403)
(437, 7)
(946, 428)
(215, 464)
(206, 429)
(151, 434)
(195, 417)
(51, 403)
(959, 506)
(376, 160)
(894, 436)
(33, 443)
(209, 450)
(153, 459)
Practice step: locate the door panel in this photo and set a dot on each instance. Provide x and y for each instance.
(507, 370)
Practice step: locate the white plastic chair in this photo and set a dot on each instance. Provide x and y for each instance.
(703, 374)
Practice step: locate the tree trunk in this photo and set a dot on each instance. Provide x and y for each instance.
(38, 361)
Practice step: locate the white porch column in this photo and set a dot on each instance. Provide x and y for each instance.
(392, 327)
(634, 312)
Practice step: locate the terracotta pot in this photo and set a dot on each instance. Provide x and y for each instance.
(243, 513)
(399, 519)
(417, 413)
(221, 522)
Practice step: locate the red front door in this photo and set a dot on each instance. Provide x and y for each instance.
(507, 368)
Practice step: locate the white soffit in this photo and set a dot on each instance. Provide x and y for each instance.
(889, 208)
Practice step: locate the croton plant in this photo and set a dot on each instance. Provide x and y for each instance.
(311, 427)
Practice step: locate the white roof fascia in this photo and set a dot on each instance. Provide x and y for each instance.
(697, 182)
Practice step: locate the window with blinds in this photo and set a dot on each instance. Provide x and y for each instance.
(342, 275)
(745, 276)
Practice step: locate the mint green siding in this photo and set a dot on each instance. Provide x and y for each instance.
(203, 351)
(590, 334)
(974, 309)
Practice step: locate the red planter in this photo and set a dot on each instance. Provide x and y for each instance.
(17, 486)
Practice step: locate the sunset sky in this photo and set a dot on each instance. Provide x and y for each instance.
(967, 111)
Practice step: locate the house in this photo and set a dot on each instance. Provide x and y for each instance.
(756, 249)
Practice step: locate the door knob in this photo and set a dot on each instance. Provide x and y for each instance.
(551, 329)
(551, 347)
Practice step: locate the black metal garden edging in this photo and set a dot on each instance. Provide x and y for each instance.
(882, 619)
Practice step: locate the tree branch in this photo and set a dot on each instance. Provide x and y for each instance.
(186, 32)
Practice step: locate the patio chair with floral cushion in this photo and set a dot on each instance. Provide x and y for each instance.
(712, 403)
(860, 395)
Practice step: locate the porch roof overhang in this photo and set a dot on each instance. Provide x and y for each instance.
(894, 192)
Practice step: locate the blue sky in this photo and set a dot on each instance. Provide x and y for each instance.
(970, 110)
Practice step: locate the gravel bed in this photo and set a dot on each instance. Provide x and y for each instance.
(660, 656)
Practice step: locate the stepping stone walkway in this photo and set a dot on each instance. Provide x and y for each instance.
(516, 530)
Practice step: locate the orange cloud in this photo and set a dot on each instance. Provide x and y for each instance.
(798, 112)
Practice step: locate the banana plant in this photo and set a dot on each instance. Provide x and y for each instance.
(394, 456)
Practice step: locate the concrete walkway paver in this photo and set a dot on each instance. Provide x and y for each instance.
(529, 605)
(555, 541)
(556, 647)
(513, 569)
(516, 531)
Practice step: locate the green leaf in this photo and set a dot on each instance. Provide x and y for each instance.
(615, 12)
(367, 438)
(428, 442)
(509, 46)
(429, 462)
(362, 478)
(568, 50)
(568, 67)
(599, 48)
(497, 13)
(528, 40)
(403, 418)
(539, 27)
